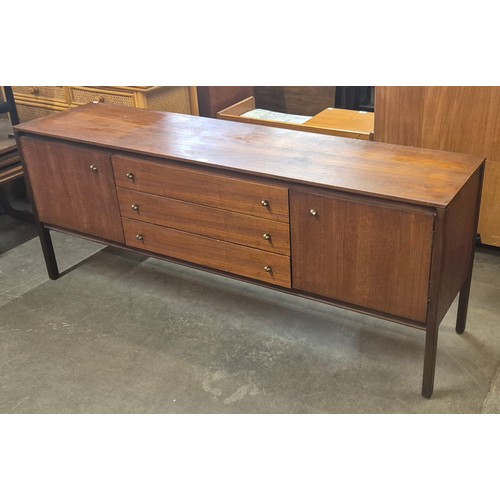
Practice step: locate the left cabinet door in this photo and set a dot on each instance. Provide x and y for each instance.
(73, 188)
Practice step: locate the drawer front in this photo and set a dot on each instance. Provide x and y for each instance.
(216, 254)
(183, 183)
(84, 95)
(238, 228)
(173, 99)
(32, 92)
(32, 112)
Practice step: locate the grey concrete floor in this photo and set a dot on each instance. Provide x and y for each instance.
(123, 334)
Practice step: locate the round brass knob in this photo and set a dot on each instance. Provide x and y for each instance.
(140, 237)
(266, 236)
(130, 175)
(264, 203)
(93, 168)
(268, 269)
(135, 207)
(34, 90)
(313, 212)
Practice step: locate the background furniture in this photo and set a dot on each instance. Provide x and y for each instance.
(295, 100)
(384, 230)
(213, 99)
(35, 102)
(8, 105)
(330, 121)
(462, 119)
(10, 163)
(361, 98)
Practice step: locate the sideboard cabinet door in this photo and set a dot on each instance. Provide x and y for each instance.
(371, 255)
(73, 188)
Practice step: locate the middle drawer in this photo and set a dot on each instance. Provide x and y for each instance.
(247, 230)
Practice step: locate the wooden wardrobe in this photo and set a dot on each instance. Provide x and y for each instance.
(460, 119)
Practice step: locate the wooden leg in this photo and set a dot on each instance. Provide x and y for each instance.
(463, 305)
(431, 338)
(48, 252)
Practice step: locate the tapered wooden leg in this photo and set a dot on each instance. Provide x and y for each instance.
(463, 306)
(48, 252)
(431, 337)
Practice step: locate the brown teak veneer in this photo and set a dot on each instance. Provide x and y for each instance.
(381, 229)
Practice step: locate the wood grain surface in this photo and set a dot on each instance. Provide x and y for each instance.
(460, 227)
(68, 193)
(489, 220)
(331, 121)
(424, 177)
(221, 255)
(204, 188)
(355, 124)
(206, 221)
(399, 115)
(213, 99)
(369, 255)
(460, 119)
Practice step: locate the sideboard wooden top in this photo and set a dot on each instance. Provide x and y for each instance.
(421, 176)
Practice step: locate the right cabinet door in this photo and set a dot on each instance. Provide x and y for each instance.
(371, 255)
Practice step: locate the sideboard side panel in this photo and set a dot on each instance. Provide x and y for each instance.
(459, 239)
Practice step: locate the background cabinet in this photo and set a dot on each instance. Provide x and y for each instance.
(460, 119)
(213, 99)
(34, 102)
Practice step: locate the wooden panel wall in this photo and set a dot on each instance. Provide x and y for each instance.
(461, 119)
(399, 115)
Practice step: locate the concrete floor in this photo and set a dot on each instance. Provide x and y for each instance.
(125, 334)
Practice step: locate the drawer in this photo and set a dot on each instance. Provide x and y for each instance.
(173, 99)
(265, 234)
(56, 93)
(84, 95)
(32, 112)
(188, 184)
(216, 254)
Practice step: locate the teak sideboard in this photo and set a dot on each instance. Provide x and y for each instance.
(381, 229)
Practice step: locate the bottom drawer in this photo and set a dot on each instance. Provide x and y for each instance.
(217, 254)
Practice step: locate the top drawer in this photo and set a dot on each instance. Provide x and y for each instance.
(183, 183)
(56, 93)
(84, 95)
